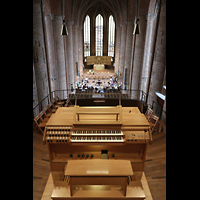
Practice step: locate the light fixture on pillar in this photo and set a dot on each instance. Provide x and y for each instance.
(64, 27)
(136, 29)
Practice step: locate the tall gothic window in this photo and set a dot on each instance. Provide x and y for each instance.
(99, 35)
(87, 36)
(111, 36)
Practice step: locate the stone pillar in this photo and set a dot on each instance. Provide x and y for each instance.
(49, 41)
(149, 48)
(122, 53)
(75, 50)
(138, 54)
(105, 37)
(164, 113)
(92, 37)
(80, 49)
(35, 96)
(60, 54)
(128, 50)
(39, 55)
(158, 68)
(70, 56)
(117, 47)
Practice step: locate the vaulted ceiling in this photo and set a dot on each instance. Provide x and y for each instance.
(76, 10)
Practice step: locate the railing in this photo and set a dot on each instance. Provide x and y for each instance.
(158, 111)
(62, 94)
(88, 94)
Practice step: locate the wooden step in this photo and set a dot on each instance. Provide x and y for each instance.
(62, 191)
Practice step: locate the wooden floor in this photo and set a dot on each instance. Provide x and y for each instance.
(155, 167)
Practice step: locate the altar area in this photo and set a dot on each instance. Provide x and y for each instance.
(98, 66)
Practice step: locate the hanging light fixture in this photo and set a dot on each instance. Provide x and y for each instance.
(136, 29)
(64, 27)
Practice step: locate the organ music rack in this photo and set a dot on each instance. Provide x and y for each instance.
(95, 133)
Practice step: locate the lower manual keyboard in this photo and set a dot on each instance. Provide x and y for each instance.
(97, 139)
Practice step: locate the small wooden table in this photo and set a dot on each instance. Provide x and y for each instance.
(98, 172)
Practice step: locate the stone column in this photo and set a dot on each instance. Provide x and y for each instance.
(35, 96)
(60, 53)
(105, 37)
(149, 49)
(164, 113)
(69, 47)
(39, 55)
(80, 49)
(138, 52)
(158, 68)
(122, 53)
(75, 50)
(49, 41)
(128, 54)
(92, 37)
(117, 47)
(138, 47)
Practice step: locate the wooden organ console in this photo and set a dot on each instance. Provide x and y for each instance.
(92, 150)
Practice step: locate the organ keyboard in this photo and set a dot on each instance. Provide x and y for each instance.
(97, 136)
(102, 132)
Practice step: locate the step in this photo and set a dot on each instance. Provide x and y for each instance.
(62, 191)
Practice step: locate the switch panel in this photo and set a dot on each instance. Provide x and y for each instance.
(136, 136)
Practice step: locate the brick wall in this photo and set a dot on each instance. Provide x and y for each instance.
(55, 56)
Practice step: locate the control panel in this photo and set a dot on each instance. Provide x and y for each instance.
(137, 136)
(102, 154)
(81, 155)
(57, 134)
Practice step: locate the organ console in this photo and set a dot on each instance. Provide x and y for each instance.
(97, 133)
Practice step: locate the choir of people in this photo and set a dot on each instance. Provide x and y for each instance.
(100, 86)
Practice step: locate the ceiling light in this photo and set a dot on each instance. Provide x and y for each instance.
(64, 29)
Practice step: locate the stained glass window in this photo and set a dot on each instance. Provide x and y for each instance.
(111, 36)
(99, 35)
(87, 36)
